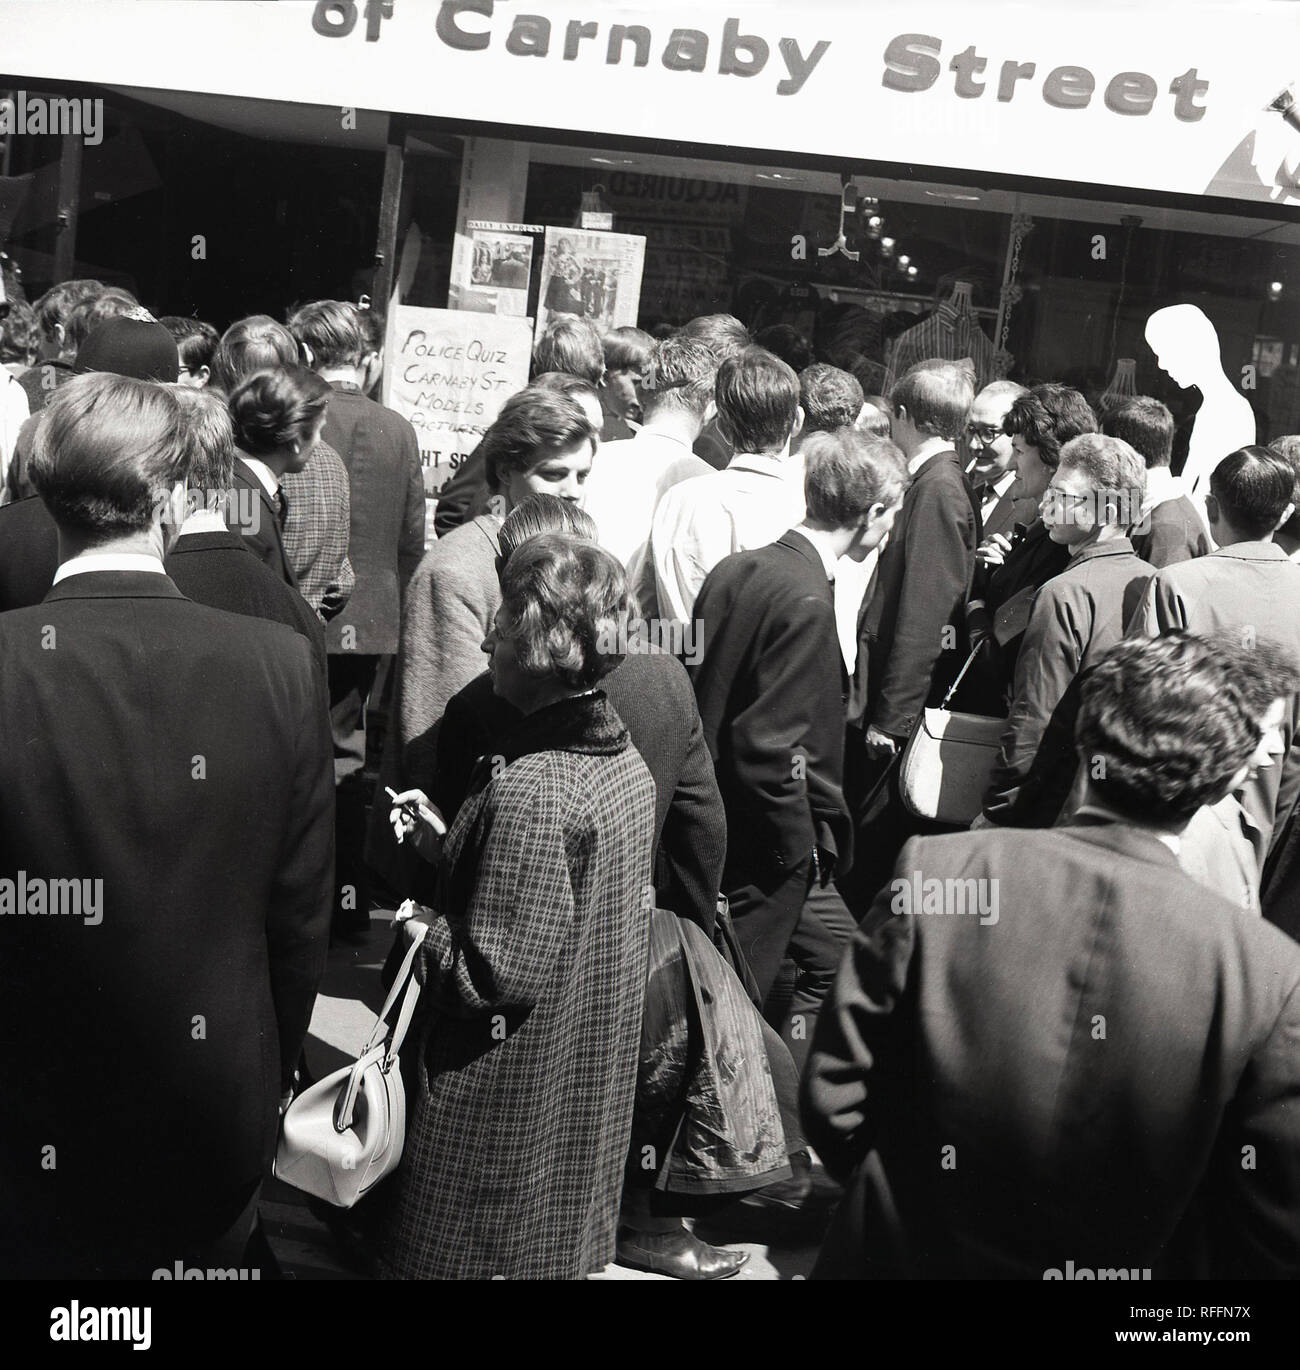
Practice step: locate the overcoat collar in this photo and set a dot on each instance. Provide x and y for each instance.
(586, 724)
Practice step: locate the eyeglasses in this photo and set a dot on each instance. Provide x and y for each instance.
(985, 432)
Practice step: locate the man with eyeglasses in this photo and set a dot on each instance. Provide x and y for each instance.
(991, 469)
(1094, 496)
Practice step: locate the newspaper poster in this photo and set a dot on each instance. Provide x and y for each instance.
(595, 276)
(449, 372)
(495, 268)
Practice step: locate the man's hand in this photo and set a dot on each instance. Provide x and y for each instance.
(993, 550)
(880, 746)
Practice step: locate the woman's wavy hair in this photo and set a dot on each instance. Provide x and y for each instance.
(565, 607)
(1048, 417)
(274, 409)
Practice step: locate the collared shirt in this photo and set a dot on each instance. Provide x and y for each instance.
(700, 521)
(822, 548)
(203, 521)
(1222, 848)
(1162, 486)
(628, 478)
(109, 561)
(930, 448)
(990, 494)
(265, 476)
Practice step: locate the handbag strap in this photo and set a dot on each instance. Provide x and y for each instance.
(975, 651)
(385, 1040)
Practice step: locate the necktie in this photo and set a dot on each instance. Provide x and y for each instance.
(281, 503)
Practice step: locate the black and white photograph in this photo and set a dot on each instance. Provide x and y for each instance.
(650, 642)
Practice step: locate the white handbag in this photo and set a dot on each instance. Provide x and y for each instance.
(948, 760)
(343, 1134)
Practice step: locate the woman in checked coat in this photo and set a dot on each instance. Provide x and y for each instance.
(521, 1085)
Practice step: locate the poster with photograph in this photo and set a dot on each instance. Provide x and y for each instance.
(495, 268)
(449, 372)
(594, 276)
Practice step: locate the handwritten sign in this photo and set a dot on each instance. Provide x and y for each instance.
(449, 372)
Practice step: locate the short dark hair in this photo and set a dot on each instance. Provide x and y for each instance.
(272, 409)
(1253, 487)
(563, 602)
(831, 398)
(196, 341)
(785, 341)
(18, 333)
(1048, 417)
(256, 343)
(213, 437)
(542, 513)
(627, 349)
(937, 397)
(107, 451)
(58, 304)
(758, 400)
(572, 346)
(846, 472)
(112, 302)
(532, 425)
(1164, 727)
(1146, 425)
(878, 427)
(723, 334)
(1266, 670)
(330, 332)
(682, 373)
(1288, 448)
(562, 383)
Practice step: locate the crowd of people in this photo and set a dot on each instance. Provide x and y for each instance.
(683, 927)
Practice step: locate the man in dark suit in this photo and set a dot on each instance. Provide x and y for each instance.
(992, 470)
(769, 677)
(1172, 528)
(1073, 1070)
(1095, 492)
(385, 544)
(207, 562)
(29, 553)
(165, 808)
(911, 631)
(256, 513)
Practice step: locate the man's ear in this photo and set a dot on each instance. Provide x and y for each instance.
(204, 373)
(799, 418)
(1286, 514)
(1212, 510)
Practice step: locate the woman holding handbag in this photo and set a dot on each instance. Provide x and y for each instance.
(521, 1083)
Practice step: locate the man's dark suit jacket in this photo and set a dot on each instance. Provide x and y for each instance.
(921, 586)
(218, 569)
(253, 517)
(1006, 513)
(181, 755)
(386, 538)
(1173, 531)
(769, 679)
(650, 692)
(1075, 1082)
(465, 496)
(29, 553)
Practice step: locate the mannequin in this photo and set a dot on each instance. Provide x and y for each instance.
(1187, 349)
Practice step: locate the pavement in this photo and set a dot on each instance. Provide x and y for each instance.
(782, 1245)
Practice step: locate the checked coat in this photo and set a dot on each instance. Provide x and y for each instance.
(520, 1089)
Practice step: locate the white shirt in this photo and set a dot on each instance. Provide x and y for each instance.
(266, 477)
(990, 494)
(821, 545)
(931, 447)
(700, 521)
(627, 480)
(109, 561)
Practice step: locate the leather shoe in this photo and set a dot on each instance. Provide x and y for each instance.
(679, 1253)
(792, 1193)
